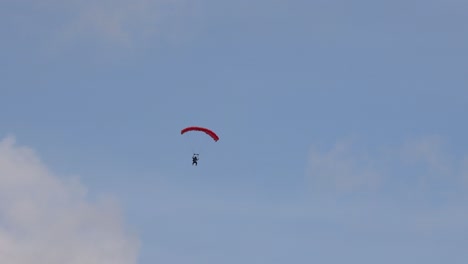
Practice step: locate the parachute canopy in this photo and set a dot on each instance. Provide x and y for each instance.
(201, 129)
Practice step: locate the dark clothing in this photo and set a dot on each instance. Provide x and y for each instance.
(194, 161)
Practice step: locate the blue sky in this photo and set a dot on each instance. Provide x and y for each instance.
(342, 126)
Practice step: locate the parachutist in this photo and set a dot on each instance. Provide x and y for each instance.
(207, 131)
(195, 159)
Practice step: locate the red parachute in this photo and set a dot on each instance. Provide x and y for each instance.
(201, 129)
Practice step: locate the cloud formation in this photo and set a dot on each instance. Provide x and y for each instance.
(346, 169)
(125, 21)
(339, 170)
(419, 183)
(58, 25)
(45, 220)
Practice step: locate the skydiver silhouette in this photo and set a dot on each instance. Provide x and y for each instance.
(195, 159)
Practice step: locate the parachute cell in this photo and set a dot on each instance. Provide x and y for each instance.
(201, 129)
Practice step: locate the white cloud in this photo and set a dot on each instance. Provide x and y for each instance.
(428, 151)
(342, 170)
(125, 21)
(44, 220)
(418, 184)
(62, 25)
(414, 164)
